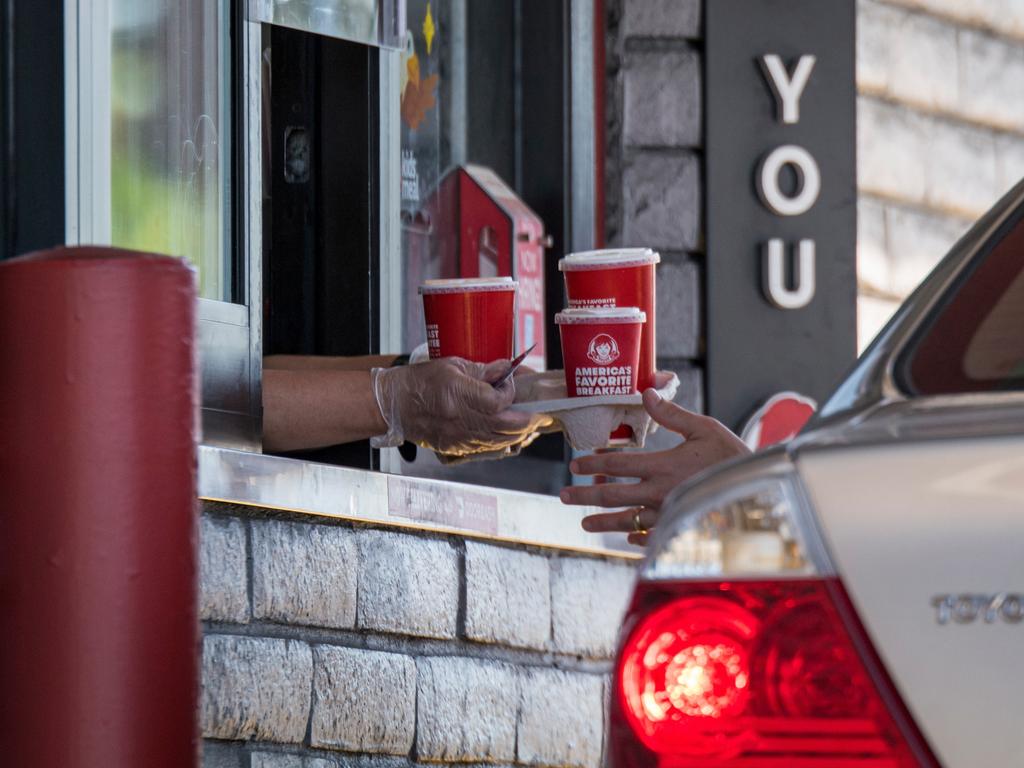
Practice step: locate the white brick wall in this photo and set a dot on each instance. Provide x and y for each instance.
(897, 247)
(1002, 16)
(960, 169)
(588, 599)
(891, 157)
(945, 165)
(937, 65)
(276, 760)
(284, 760)
(872, 248)
(560, 719)
(220, 755)
(304, 574)
(255, 688)
(223, 594)
(916, 241)
(407, 585)
(363, 701)
(466, 710)
(508, 596)
(992, 79)
(458, 652)
(940, 134)
(909, 57)
(1009, 160)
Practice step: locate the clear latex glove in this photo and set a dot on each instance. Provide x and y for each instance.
(448, 406)
(419, 355)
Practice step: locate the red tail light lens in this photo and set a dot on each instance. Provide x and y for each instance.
(755, 675)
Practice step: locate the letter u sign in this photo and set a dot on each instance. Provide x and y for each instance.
(774, 275)
(787, 89)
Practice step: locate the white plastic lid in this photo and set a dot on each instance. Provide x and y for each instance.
(608, 257)
(468, 285)
(613, 315)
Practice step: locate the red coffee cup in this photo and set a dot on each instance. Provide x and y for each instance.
(621, 277)
(601, 350)
(472, 318)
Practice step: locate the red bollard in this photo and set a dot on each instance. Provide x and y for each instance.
(98, 409)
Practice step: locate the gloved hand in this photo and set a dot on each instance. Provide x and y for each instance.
(448, 405)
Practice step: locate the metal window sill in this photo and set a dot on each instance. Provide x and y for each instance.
(273, 482)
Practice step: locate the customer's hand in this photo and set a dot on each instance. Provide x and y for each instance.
(448, 405)
(707, 443)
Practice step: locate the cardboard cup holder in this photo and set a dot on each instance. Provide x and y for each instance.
(588, 421)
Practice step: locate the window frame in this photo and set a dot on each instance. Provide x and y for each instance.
(228, 332)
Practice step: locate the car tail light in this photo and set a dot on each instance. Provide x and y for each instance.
(741, 647)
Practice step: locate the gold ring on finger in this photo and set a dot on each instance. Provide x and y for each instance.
(638, 527)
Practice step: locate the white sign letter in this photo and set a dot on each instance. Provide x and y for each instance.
(774, 275)
(809, 182)
(787, 90)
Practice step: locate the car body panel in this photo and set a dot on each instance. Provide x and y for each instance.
(906, 522)
(916, 488)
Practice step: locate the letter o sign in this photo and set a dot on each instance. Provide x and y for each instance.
(809, 183)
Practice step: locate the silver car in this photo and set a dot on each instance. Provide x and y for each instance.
(855, 598)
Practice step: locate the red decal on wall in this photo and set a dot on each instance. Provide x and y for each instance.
(778, 420)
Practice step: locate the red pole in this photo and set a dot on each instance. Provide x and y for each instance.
(97, 481)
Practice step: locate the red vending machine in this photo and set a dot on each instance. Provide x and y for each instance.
(492, 232)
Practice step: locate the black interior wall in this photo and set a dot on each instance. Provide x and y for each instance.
(32, 127)
(321, 271)
(545, 182)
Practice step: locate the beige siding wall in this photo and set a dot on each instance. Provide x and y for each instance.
(940, 134)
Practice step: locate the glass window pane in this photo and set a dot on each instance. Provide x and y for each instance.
(975, 341)
(458, 78)
(374, 22)
(996, 351)
(170, 131)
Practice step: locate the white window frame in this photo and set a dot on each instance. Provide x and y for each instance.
(230, 340)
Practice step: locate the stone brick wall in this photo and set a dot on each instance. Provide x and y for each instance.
(940, 134)
(328, 645)
(653, 179)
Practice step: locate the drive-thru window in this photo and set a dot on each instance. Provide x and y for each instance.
(304, 157)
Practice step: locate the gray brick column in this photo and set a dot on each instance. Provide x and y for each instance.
(653, 181)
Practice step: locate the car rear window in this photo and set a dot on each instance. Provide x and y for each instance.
(974, 340)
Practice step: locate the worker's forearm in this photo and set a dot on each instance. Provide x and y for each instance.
(326, 363)
(313, 408)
